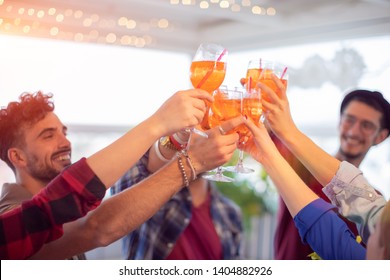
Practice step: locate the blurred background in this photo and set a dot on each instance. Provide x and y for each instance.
(111, 63)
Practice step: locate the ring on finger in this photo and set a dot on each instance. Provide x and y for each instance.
(220, 128)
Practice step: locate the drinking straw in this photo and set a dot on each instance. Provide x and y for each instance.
(210, 70)
(221, 55)
(249, 84)
(284, 72)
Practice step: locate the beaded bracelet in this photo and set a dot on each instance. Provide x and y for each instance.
(182, 170)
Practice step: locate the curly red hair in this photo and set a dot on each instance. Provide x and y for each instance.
(31, 108)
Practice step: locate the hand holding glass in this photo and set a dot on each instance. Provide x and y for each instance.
(226, 105)
(260, 70)
(208, 70)
(251, 108)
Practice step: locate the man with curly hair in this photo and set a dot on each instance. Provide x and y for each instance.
(33, 142)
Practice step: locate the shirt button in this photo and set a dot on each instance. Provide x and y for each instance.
(170, 245)
(370, 195)
(186, 220)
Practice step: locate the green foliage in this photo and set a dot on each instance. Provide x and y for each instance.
(253, 192)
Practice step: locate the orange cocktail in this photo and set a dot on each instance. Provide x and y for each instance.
(226, 105)
(207, 75)
(252, 77)
(225, 108)
(252, 109)
(232, 103)
(260, 71)
(265, 78)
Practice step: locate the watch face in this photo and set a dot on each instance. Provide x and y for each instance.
(166, 142)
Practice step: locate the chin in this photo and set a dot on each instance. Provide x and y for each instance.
(66, 163)
(350, 155)
(62, 166)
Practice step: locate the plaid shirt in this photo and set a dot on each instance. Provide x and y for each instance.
(25, 229)
(155, 238)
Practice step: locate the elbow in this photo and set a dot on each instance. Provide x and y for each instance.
(101, 233)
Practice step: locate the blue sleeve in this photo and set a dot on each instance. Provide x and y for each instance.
(134, 175)
(326, 233)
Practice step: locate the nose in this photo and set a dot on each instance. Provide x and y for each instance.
(64, 141)
(355, 128)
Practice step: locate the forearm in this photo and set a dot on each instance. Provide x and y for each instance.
(159, 154)
(320, 164)
(124, 212)
(155, 162)
(118, 215)
(291, 188)
(110, 163)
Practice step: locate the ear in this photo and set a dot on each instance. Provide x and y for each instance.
(382, 135)
(17, 157)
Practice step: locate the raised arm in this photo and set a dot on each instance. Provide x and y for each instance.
(122, 213)
(344, 184)
(278, 118)
(183, 109)
(292, 189)
(46, 211)
(317, 224)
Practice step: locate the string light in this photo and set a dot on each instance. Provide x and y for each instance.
(36, 25)
(232, 5)
(33, 21)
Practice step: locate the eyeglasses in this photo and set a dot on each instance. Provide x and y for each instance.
(366, 127)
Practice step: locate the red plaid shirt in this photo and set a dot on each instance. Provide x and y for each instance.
(25, 229)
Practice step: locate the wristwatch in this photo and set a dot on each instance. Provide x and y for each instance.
(165, 142)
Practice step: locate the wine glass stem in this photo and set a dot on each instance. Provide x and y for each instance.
(240, 164)
(189, 140)
(219, 171)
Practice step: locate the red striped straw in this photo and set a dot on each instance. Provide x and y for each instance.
(210, 70)
(284, 72)
(249, 84)
(221, 55)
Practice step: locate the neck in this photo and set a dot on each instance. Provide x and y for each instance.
(31, 184)
(356, 161)
(199, 191)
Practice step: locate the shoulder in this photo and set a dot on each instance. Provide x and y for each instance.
(12, 195)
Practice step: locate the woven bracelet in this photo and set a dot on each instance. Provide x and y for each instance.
(190, 163)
